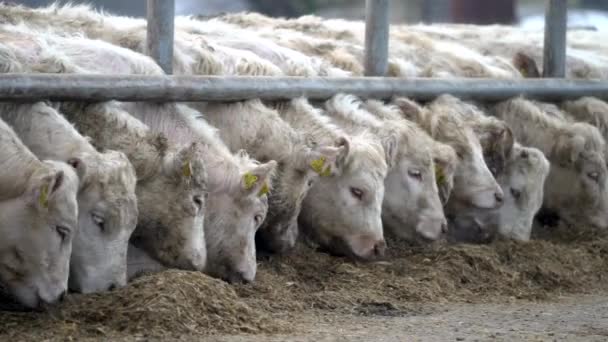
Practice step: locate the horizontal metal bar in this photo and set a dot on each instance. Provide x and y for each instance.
(72, 87)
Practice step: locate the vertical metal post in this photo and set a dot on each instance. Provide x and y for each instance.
(159, 41)
(556, 21)
(376, 37)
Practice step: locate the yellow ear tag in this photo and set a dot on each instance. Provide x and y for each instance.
(439, 175)
(187, 169)
(523, 72)
(43, 199)
(326, 172)
(264, 190)
(250, 180)
(317, 165)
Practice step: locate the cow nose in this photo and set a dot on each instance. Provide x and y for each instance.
(190, 264)
(499, 197)
(245, 280)
(238, 278)
(44, 303)
(380, 249)
(444, 227)
(42, 306)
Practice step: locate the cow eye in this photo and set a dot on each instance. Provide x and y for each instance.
(198, 201)
(310, 182)
(594, 175)
(258, 219)
(63, 232)
(357, 193)
(415, 174)
(515, 193)
(99, 221)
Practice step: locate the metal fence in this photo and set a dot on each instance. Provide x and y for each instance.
(374, 85)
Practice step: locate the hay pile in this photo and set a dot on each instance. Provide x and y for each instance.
(190, 305)
(169, 304)
(502, 271)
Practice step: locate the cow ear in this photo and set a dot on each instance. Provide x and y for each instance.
(258, 180)
(80, 168)
(409, 109)
(508, 141)
(526, 65)
(498, 139)
(444, 182)
(322, 160)
(341, 159)
(390, 143)
(43, 191)
(567, 149)
(181, 166)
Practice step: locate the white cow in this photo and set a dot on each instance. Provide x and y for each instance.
(200, 56)
(236, 207)
(260, 130)
(576, 188)
(342, 212)
(496, 140)
(475, 188)
(520, 171)
(107, 204)
(38, 221)
(590, 110)
(238, 201)
(171, 183)
(411, 207)
(444, 156)
(523, 184)
(172, 231)
(107, 201)
(474, 184)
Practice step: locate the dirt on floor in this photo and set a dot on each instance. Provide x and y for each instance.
(579, 318)
(307, 288)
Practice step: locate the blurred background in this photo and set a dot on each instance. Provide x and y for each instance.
(592, 14)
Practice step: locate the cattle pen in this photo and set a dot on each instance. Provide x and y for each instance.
(548, 289)
(211, 88)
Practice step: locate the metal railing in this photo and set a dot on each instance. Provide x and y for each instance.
(556, 23)
(376, 37)
(218, 88)
(75, 87)
(161, 32)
